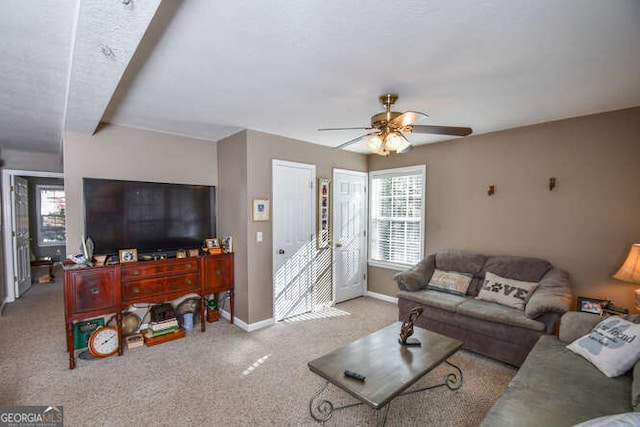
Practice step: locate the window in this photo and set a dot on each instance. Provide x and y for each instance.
(51, 206)
(396, 220)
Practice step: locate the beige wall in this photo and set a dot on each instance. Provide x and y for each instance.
(585, 225)
(233, 214)
(131, 154)
(31, 161)
(261, 150)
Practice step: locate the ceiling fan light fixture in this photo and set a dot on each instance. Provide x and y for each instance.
(404, 146)
(393, 141)
(374, 144)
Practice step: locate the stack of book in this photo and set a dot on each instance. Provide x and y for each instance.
(162, 327)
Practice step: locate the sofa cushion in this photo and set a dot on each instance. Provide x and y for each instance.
(626, 419)
(417, 276)
(450, 282)
(430, 298)
(635, 387)
(555, 387)
(462, 262)
(509, 292)
(515, 267)
(576, 324)
(553, 295)
(613, 346)
(493, 312)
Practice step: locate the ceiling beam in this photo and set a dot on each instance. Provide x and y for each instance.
(106, 38)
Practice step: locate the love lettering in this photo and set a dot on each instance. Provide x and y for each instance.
(506, 289)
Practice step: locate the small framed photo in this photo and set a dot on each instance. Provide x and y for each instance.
(260, 210)
(194, 252)
(128, 255)
(212, 243)
(227, 244)
(592, 305)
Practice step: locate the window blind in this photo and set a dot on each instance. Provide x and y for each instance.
(397, 215)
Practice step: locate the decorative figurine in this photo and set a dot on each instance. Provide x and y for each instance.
(407, 328)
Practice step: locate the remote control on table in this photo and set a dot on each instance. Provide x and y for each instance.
(354, 375)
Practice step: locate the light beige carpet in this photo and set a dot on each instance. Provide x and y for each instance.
(223, 377)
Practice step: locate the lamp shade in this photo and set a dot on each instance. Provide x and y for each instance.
(630, 270)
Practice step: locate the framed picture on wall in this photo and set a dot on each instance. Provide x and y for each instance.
(260, 210)
(324, 202)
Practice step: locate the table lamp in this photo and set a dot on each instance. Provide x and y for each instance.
(630, 271)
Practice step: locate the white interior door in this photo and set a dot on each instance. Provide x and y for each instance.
(349, 234)
(22, 261)
(293, 244)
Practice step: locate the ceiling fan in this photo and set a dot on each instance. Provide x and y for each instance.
(387, 130)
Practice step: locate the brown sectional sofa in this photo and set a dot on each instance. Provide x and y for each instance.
(488, 328)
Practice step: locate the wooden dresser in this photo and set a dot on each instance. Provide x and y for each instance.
(97, 291)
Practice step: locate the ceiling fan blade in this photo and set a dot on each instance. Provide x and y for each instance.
(442, 130)
(408, 118)
(369, 128)
(354, 140)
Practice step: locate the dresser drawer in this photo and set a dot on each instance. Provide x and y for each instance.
(92, 289)
(141, 289)
(144, 269)
(149, 289)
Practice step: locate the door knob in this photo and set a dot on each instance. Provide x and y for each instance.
(338, 245)
(280, 251)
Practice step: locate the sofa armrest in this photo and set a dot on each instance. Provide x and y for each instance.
(418, 276)
(553, 294)
(576, 324)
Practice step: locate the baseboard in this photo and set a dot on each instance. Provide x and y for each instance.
(382, 297)
(246, 326)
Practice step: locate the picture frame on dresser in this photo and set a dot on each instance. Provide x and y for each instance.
(592, 305)
(127, 255)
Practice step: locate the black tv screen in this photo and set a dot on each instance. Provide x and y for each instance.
(147, 216)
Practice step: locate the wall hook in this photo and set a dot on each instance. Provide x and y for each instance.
(552, 184)
(492, 189)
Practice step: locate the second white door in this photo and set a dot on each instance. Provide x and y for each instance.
(349, 234)
(293, 245)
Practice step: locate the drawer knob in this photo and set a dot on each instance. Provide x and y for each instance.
(189, 281)
(189, 265)
(95, 291)
(218, 273)
(136, 290)
(135, 272)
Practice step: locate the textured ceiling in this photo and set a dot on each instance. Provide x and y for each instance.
(208, 69)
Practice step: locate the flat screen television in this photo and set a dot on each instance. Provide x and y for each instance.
(151, 217)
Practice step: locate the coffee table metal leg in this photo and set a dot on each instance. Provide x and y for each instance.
(324, 408)
(454, 380)
(382, 415)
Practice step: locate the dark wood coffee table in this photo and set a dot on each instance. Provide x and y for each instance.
(390, 369)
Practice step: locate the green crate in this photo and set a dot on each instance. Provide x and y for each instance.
(82, 331)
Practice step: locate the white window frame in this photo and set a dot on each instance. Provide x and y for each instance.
(409, 170)
(38, 197)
